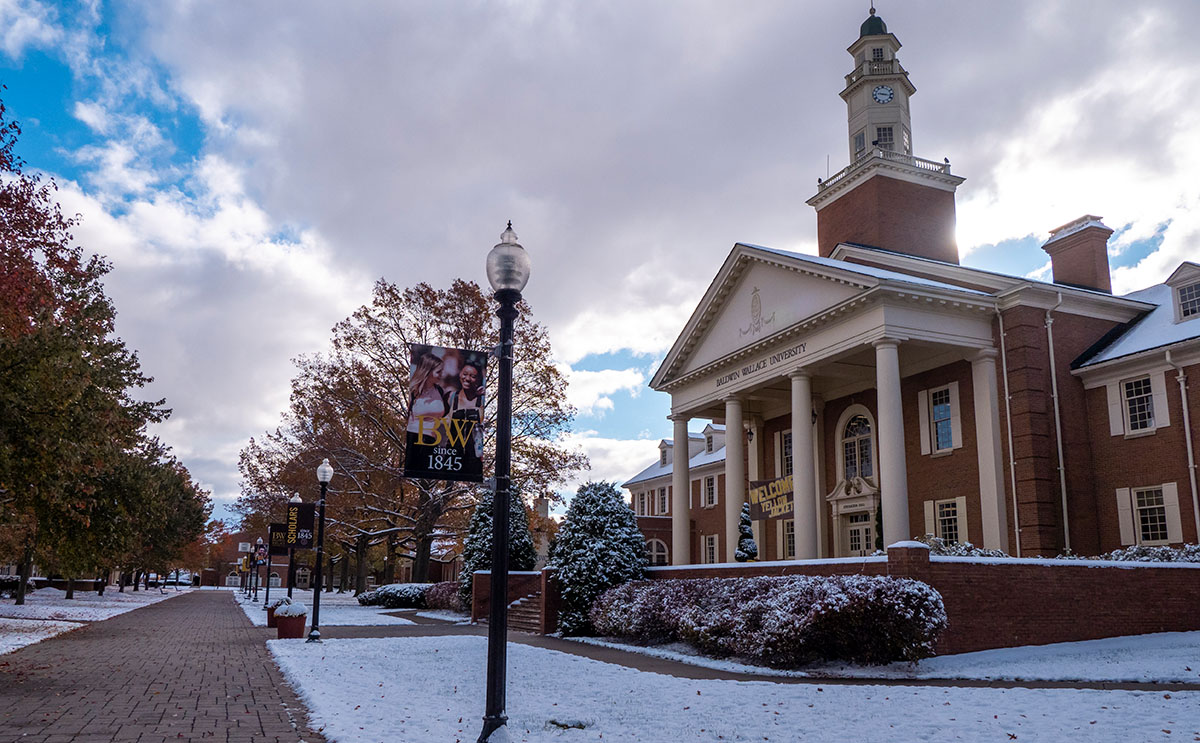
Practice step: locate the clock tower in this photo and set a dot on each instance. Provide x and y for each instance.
(886, 198)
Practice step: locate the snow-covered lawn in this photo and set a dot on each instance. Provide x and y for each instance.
(337, 609)
(17, 633)
(1163, 657)
(47, 612)
(426, 689)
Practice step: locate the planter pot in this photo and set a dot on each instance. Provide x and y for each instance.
(291, 628)
(271, 617)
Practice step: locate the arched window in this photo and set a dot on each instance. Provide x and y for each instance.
(857, 457)
(233, 579)
(275, 581)
(656, 552)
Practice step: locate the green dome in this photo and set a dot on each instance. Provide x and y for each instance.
(873, 26)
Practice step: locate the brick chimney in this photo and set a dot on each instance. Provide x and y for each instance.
(1079, 254)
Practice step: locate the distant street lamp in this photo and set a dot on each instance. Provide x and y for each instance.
(258, 543)
(508, 272)
(324, 475)
(292, 553)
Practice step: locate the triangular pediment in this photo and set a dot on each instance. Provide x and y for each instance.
(757, 293)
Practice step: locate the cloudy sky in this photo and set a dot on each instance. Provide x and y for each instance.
(252, 167)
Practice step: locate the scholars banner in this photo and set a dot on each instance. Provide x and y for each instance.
(771, 499)
(277, 539)
(299, 526)
(445, 414)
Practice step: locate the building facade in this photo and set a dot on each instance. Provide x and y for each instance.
(906, 394)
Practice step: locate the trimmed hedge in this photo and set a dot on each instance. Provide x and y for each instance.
(396, 596)
(784, 622)
(444, 596)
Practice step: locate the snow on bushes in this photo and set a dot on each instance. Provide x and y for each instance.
(292, 610)
(937, 546)
(282, 601)
(784, 621)
(1141, 553)
(444, 596)
(396, 596)
(599, 546)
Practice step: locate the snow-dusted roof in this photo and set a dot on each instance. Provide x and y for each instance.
(658, 470)
(1156, 329)
(871, 271)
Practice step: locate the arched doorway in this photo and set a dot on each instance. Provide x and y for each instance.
(855, 498)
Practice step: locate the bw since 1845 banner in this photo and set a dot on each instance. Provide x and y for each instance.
(445, 414)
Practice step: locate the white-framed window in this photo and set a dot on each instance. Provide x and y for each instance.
(708, 548)
(941, 419)
(662, 502)
(858, 455)
(656, 552)
(710, 491)
(641, 507)
(877, 54)
(787, 464)
(860, 142)
(858, 533)
(708, 444)
(1189, 301)
(662, 457)
(789, 539)
(885, 137)
(1149, 514)
(1139, 404)
(947, 519)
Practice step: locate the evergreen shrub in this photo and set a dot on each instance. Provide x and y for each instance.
(396, 596)
(780, 621)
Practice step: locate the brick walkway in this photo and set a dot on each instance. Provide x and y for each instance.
(191, 668)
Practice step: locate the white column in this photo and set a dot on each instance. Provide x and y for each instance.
(893, 470)
(987, 444)
(803, 472)
(681, 495)
(735, 473)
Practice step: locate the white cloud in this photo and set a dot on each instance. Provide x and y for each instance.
(589, 391)
(26, 24)
(613, 460)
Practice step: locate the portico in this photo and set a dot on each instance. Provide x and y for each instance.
(782, 338)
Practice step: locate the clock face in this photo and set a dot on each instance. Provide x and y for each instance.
(883, 94)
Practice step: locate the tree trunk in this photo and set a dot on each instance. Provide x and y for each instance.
(70, 587)
(421, 558)
(25, 572)
(101, 584)
(389, 561)
(329, 576)
(344, 583)
(121, 582)
(360, 562)
(137, 579)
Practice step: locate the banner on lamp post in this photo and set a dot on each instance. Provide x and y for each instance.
(771, 499)
(298, 529)
(445, 414)
(277, 539)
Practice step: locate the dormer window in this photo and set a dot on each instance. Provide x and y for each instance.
(662, 458)
(708, 444)
(1189, 301)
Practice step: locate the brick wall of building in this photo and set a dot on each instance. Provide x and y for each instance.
(892, 214)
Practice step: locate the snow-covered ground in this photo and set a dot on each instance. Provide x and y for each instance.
(47, 612)
(337, 609)
(420, 689)
(1163, 657)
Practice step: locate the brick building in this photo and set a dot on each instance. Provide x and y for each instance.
(934, 398)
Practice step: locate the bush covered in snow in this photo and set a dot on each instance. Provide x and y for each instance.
(292, 610)
(281, 601)
(599, 546)
(1140, 553)
(444, 596)
(8, 586)
(781, 621)
(937, 546)
(747, 548)
(396, 596)
(477, 547)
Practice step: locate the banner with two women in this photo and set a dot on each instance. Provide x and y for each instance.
(445, 414)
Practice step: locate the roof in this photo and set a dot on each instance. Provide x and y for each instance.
(1155, 329)
(873, 26)
(657, 470)
(865, 270)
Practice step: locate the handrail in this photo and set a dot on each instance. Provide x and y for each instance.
(882, 67)
(882, 154)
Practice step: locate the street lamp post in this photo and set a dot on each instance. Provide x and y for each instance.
(508, 272)
(324, 475)
(291, 574)
(258, 543)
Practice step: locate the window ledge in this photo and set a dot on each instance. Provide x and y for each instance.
(1142, 433)
(940, 454)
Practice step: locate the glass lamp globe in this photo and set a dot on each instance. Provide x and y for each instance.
(325, 472)
(508, 263)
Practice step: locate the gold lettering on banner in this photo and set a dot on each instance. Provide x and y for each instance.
(771, 499)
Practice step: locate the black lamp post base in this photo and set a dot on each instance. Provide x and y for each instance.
(314, 636)
(491, 725)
